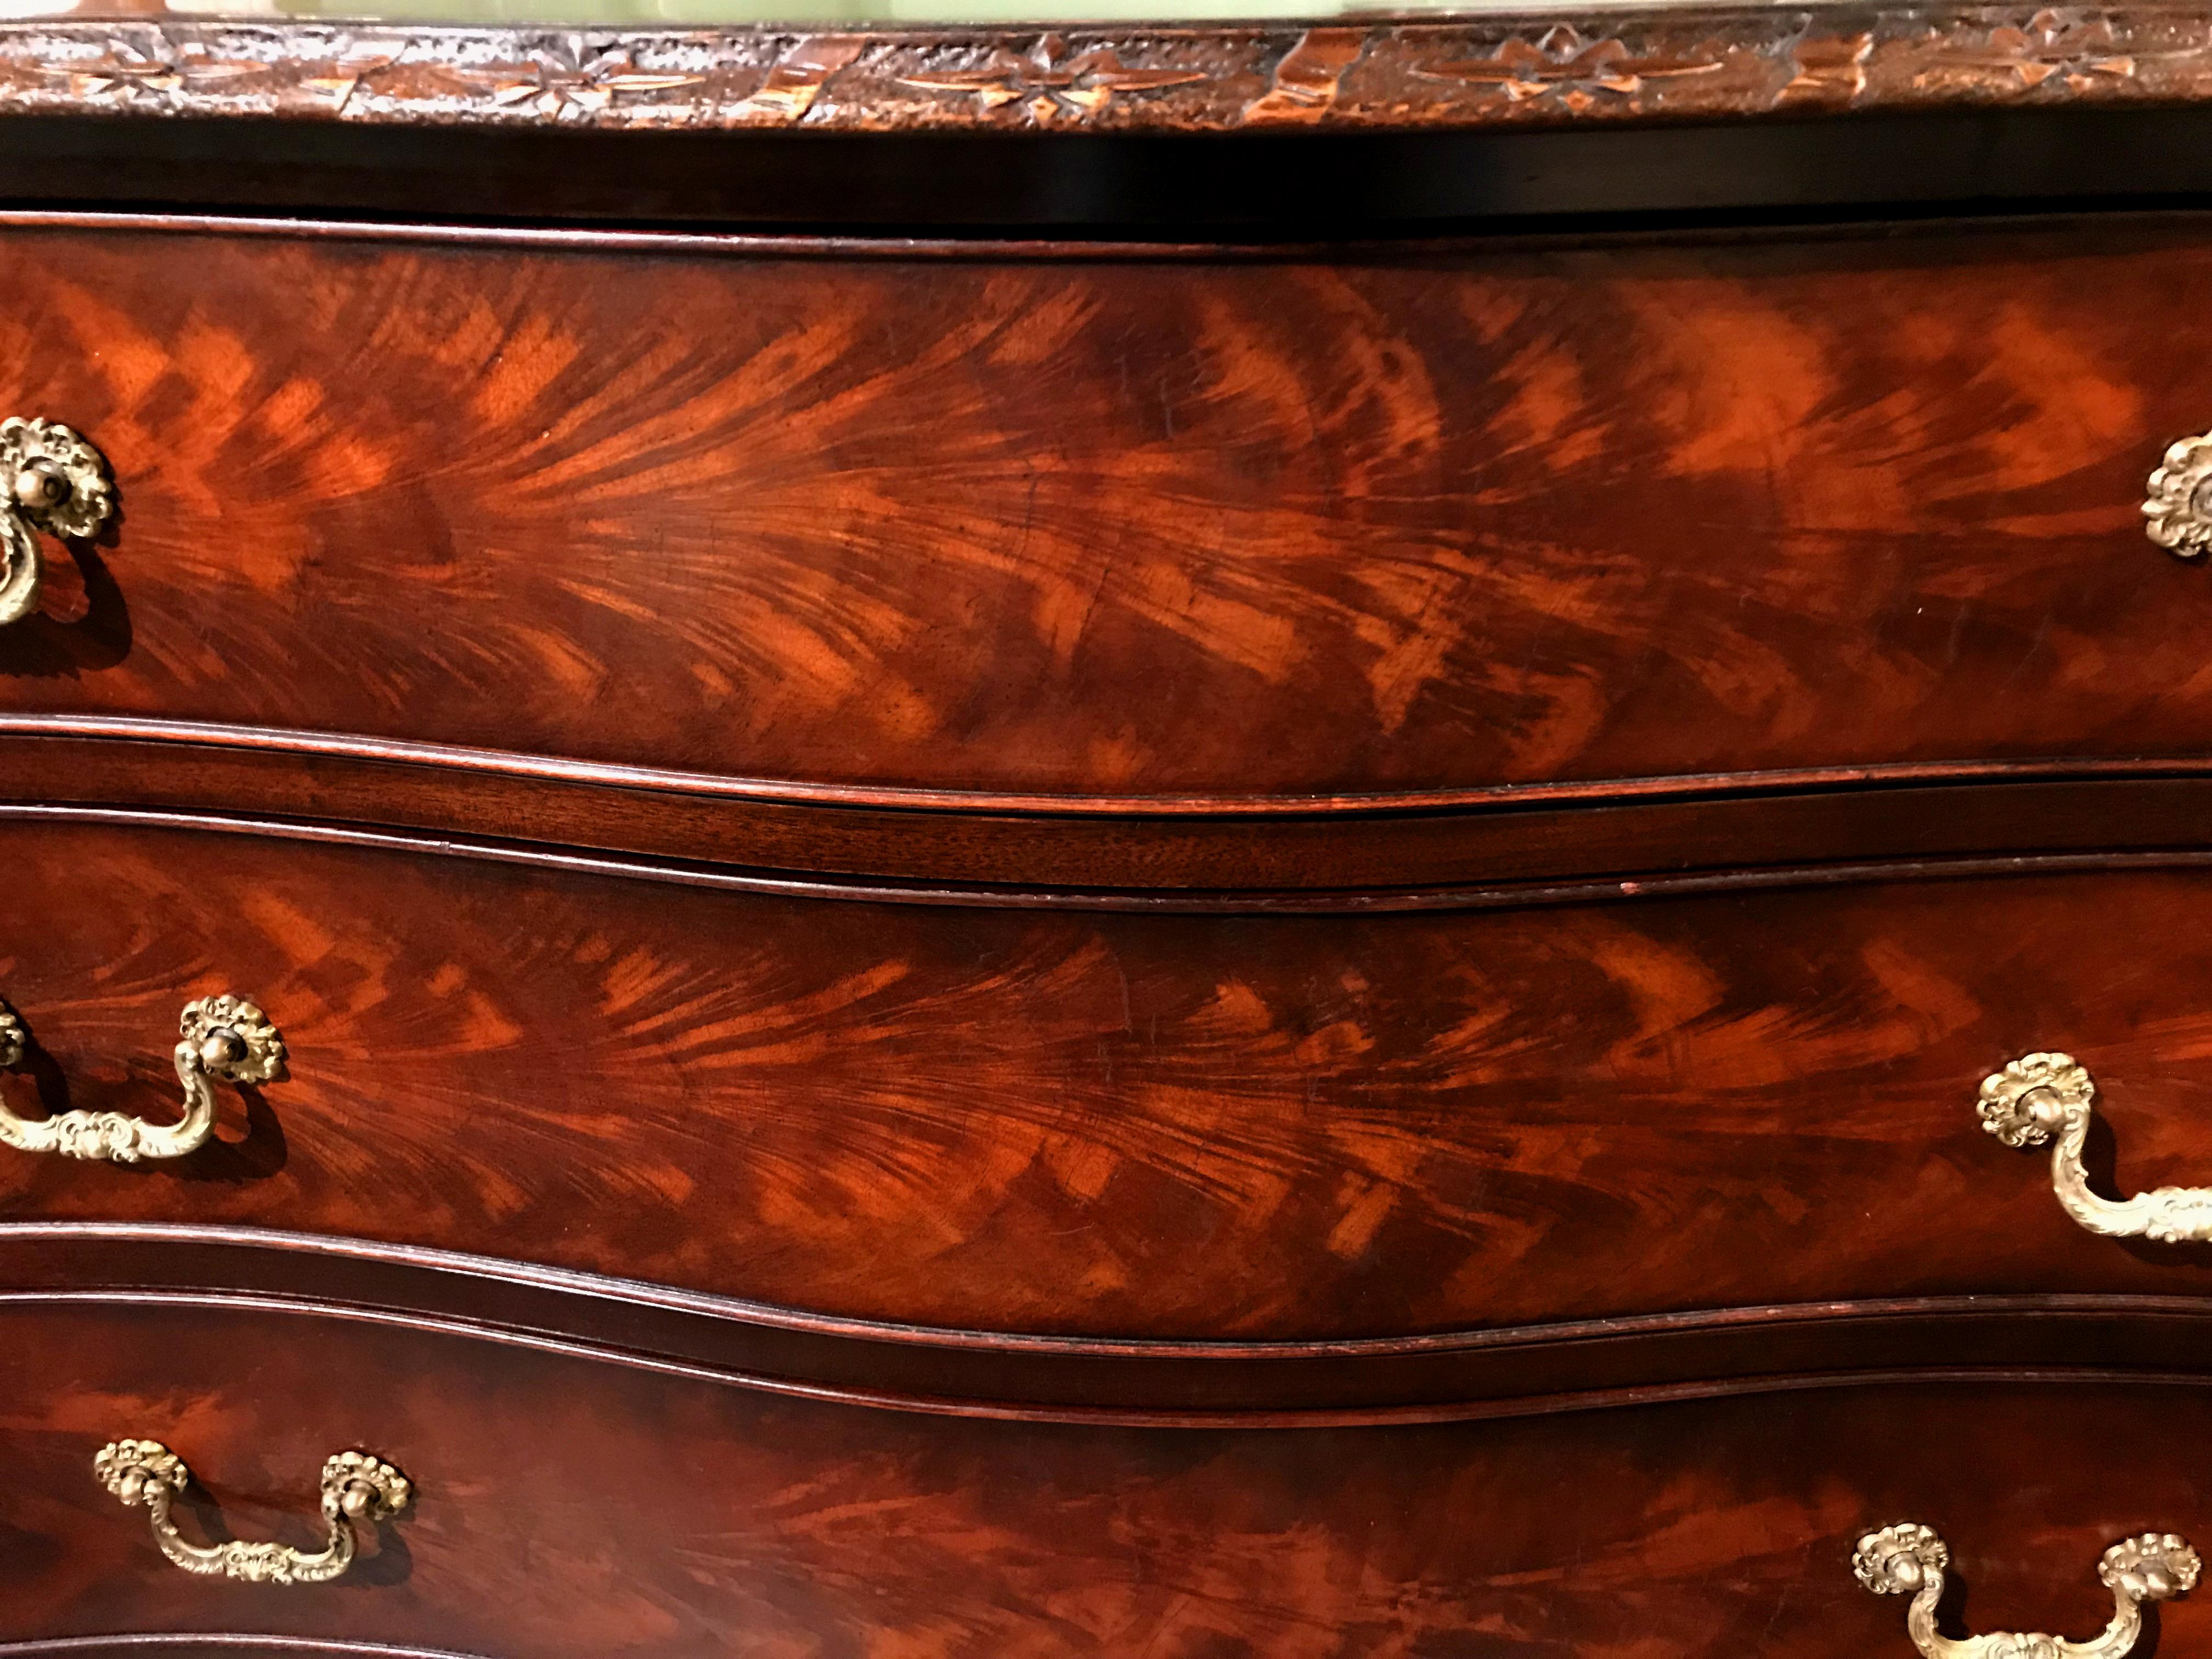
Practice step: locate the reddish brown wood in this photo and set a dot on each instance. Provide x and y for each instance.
(1185, 1126)
(1406, 520)
(1148, 1383)
(570, 1509)
(1346, 858)
(1486, 895)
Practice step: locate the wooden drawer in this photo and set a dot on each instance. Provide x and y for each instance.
(1102, 524)
(1119, 1124)
(567, 1506)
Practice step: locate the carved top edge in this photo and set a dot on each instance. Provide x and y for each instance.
(1502, 70)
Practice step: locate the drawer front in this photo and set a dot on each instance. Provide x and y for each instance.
(1059, 1121)
(1131, 526)
(565, 1506)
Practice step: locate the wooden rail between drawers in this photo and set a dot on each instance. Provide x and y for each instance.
(1513, 1371)
(1272, 856)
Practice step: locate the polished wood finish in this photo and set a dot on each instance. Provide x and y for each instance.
(1143, 1383)
(1342, 854)
(1127, 526)
(1025, 950)
(567, 1508)
(1020, 1119)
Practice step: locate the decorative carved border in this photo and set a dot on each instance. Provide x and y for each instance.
(1506, 69)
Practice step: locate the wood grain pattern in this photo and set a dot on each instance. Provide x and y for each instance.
(1514, 68)
(1125, 526)
(1124, 1124)
(1482, 895)
(1196, 857)
(569, 1508)
(1454, 1376)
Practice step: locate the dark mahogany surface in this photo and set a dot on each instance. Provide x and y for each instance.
(1465, 1375)
(1138, 1125)
(1106, 524)
(567, 1508)
(1337, 855)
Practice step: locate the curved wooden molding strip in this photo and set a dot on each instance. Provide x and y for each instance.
(1234, 859)
(1514, 1371)
(1589, 791)
(1381, 901)
(1503, 71)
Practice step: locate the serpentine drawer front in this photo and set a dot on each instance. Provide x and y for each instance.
(1063, 1121)
(1131, 527)
(787, 948)
(564, 1507)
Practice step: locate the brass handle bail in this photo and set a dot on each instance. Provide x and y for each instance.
(356, 1489)
(57, 483)
(226, 1037)
(2050, 1098)
(1908, 1559)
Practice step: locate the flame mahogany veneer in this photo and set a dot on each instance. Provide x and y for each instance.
(1005, 952)
(570, 1510)
(1120, 523)
(1120, 1126)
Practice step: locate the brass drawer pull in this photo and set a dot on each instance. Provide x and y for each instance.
(57, 483)
(224, 1037)
(2039, 1097)
(1911, 1559)
(356, 1487)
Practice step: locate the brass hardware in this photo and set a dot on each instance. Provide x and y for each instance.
(2047, 1097)
(57, 483)
(1909, 1559)
(2179, 509)
(224, 1037)
(356, 1488)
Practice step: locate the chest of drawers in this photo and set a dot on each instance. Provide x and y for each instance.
(739, 939)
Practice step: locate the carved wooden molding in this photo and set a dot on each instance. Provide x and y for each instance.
(1503, 70)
